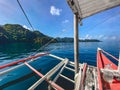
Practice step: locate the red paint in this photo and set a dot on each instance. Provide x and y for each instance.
(102, 61)
(99, 80)
(22, 60)
(84, 72)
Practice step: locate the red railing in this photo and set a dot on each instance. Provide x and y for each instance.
(23, 60)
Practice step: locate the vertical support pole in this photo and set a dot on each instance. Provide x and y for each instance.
(76, 43)
(49, 87)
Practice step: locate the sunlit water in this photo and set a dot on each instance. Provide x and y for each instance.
(23, 78)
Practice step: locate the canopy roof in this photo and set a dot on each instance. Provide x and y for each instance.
(86, 8)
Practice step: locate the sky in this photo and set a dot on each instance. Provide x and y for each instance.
(54, 18)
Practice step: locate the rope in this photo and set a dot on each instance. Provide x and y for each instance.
(110, 55)
(25, 15)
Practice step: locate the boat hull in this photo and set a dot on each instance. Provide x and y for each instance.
(106, 80)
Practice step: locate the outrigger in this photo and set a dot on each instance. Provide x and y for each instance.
(106, 76)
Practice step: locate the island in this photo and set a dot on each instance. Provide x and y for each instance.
(69, 39)
(11, 33)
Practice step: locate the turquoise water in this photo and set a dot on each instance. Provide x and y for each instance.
(23, 78)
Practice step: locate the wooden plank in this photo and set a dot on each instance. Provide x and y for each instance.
(78, 78)
(48, 75)
(70, 69)
(41, 75)
(86, 8)
(67, 78)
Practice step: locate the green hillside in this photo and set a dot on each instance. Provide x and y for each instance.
(17, 33)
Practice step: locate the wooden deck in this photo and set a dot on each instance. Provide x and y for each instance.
(87, 80)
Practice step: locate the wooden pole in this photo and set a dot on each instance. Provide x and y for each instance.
(76, 43)
(57, 87)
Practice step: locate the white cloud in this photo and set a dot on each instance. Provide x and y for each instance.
(65, 21)
(81, 38)
(55, 11)
(26, 27)
(88, 36)
(100, 36)
(108, 37)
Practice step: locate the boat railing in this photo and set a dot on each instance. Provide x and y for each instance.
(58, 68)
(20, 63)
(78, 81)
(103, 51)
(48, 75)
(110, 55)
(62, 65)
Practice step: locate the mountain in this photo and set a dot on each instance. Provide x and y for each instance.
(90, 40)
(69, 39)
(65, 39)
(10, 33)
(17, 33)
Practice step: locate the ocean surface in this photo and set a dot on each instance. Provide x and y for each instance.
(22, 78)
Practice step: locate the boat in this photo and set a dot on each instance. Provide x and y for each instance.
(108, 72)
(106, 76)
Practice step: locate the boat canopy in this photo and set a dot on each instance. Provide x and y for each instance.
(86, 8)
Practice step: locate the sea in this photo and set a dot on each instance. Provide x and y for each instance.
(22, 78)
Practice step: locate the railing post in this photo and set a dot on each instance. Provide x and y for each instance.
(49, 87)
(76, 43)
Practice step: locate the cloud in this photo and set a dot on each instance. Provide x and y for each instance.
(88, 36)
(65, 21)
(110, 38)
(100, 36)
(55, 11)
(26, 27)
(113, 38)
(107, 37)
(81, 38)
